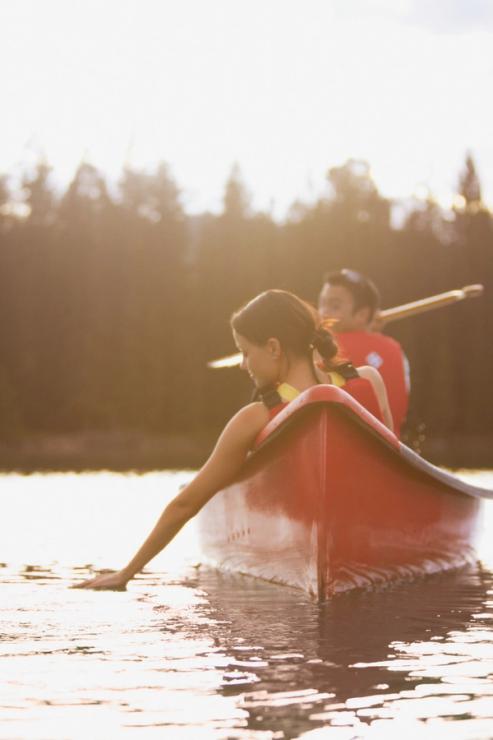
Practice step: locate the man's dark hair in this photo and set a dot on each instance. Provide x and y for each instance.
(363, 290)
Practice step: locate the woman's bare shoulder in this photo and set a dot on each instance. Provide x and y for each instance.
(253, 413)
(252, 417)
(242, 429)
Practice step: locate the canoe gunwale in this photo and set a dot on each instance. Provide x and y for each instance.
(351, 411)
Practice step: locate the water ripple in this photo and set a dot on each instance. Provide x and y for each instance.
(193, 653)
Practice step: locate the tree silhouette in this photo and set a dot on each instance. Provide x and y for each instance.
(236, 200)
(113, 299)
(469, 185)
(39, 196)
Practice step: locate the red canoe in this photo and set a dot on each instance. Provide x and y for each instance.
(330, 500)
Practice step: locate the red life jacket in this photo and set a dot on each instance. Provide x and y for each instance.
(362, 391)
(386, 355)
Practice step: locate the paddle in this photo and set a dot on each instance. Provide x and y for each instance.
(390, 314)
(428, 304)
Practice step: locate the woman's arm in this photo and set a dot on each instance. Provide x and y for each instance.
(371, 374)
(225, 461)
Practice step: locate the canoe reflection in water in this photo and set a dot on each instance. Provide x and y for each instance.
(331, 500)
(418, 647)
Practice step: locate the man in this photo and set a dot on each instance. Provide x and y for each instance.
(353, 301)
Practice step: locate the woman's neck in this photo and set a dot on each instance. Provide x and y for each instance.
(299, 373)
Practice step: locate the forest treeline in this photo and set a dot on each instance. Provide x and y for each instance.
(113, 299)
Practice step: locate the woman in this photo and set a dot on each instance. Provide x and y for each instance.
(278, 334)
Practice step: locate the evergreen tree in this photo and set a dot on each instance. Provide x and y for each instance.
(39, 197)
(111, 302)
(236, 200)
(469, 185)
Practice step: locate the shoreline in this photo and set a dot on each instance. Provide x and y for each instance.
(132, 451)
(459, 452)
(117, 451)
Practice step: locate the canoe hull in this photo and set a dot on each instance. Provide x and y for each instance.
(328, 504)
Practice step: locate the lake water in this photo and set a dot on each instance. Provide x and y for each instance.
(191, 653)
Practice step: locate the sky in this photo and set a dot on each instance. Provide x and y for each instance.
(285, 88)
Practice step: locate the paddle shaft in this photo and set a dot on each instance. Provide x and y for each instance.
(390, 314)
(428, 304)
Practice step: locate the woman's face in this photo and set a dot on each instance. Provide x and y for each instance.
(261, 361)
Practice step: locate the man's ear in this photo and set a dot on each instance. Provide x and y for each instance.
(273, 346)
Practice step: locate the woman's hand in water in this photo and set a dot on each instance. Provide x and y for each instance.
(115, 581)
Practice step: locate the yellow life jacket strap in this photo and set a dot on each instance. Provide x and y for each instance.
(287, 392)
(336, 379)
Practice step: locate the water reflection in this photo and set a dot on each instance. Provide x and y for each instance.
(190, 652)
(368, 653)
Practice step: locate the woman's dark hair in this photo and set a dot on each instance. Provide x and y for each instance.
(294, 322)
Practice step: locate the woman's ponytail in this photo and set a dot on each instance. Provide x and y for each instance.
(326, 345)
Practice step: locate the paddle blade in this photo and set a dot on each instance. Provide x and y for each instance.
(473, 291)
(229, 361)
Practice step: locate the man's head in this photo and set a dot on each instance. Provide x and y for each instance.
(350, 298)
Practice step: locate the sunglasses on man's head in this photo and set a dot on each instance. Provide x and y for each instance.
(352, 276)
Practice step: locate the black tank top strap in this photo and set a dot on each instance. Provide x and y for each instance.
(347, 371)
(269, 397)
